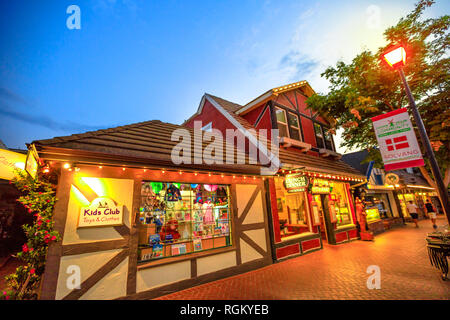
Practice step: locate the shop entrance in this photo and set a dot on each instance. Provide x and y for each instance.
(326, 227)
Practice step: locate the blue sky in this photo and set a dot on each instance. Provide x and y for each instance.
(134, 60)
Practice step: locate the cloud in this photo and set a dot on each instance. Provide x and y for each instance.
(300, 65)
(44, 121)
(6, 94)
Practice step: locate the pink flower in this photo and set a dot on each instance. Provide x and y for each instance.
(48, 200)
(54, 238)
(32, 271)
(25, 248)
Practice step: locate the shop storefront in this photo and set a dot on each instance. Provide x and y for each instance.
(310, 209)
(135, 226)
(381, 208)
(418, 195)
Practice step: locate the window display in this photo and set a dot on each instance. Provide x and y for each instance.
(339, 196)
(380, 201)
(293, 210)
(177, 219)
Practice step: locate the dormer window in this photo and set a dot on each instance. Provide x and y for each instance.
(282, 122)
(294, 126)
(324, 138)
(288, 124)
(319, 136)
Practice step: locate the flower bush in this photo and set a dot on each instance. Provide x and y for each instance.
(38, 196)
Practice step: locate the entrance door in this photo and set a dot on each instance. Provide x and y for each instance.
(326, 227)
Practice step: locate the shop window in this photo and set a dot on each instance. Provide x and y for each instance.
(282, 122)
(294, 126)
(341, 204)
(380, 202)
(178, 219)
(293, 211)
(319, 136)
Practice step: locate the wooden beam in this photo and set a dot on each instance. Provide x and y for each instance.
(97, 276)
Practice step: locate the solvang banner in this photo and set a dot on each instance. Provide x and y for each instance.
(397, 141)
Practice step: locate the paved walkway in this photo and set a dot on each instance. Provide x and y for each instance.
(339, 272)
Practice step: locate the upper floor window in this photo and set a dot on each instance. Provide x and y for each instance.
(282, 122)
(288, 124)
(295, 126)
(324, 138)
(319, 136)
(328, 140)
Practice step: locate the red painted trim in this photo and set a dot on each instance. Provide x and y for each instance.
(352, 234)
(341, 237)
(310, 244)
(350, 201)
(273, 204)
(288, 250)
(404, 165)
(389, 114)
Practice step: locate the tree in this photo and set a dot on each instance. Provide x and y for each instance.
(367, 87)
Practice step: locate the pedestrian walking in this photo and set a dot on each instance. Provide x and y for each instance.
(431, 210)
(412, 209)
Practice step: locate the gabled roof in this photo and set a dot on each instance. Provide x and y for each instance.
(274, 92)
(142, 143)
(286, 157)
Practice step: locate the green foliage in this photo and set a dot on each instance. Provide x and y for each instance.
(367, 87)
(39, 198)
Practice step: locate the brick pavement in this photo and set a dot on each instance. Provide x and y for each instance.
(339, 272)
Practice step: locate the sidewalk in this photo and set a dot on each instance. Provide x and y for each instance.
(339, 272)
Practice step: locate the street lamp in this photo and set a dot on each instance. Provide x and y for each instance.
(396, 58)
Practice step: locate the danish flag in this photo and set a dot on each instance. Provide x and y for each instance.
(398, 143)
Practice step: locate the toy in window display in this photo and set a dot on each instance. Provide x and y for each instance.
(222, 197)
(170, 231)
(154, 239)
(172, 193)
(208, 212)
(157, 251)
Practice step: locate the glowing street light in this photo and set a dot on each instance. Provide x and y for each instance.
(396, 58)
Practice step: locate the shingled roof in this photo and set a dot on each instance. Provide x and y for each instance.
(287, 157)
(146, 142)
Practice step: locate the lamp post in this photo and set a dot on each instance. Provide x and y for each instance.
(396, 58)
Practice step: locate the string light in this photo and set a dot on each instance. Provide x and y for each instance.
(66, 166)
(123, 169)
(100, 167)
(163, 171)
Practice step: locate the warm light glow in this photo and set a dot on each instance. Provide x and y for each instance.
(195, 173)
(396, 57)
(123, 169)
(66, 166)
(222, 175)
(100, 167)
(162, 171)
(97, 185)
(180, 172)
(20, 165)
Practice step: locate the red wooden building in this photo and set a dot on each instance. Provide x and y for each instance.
(310, 199)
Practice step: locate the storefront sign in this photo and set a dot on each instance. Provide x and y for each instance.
(9, 162)
(397, 141)
(320, 186)
(296, 182)
(102, 212)
(391, 179)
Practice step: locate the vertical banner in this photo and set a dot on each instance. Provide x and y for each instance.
(397, 140)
